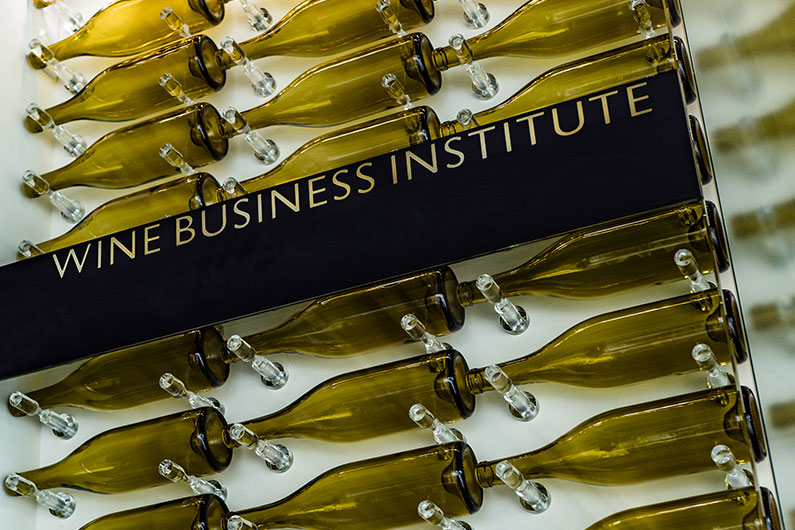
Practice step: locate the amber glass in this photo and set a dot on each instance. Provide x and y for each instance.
(770, 126)
(743, 509)
(129, 377)
(552, 28)
(130, 156)
(648, 441)
(147, 206)
(374, 401)
(130, 27)
(613, 257)
(628, 346)
(203, 512)
(318, 28)
(350, 87)
(366, 319)
(579, 78)
(126, 458)
(131, 89)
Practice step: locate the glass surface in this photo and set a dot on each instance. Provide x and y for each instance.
(205, 512)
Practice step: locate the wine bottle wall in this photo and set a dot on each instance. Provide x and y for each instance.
(493, 432)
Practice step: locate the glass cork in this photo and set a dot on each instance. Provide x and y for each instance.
(416, 330)
(174, 386)
(396, 90)
(262, 82)
(390, 17)
(476, 15)
(60, 504)
(441, 432)
(63, 425)
(640, 10)
(174, 21)
(532, 495)
(176, 473)
(74, 144)
(276, 456)
(434, 515)
(484, 85)
(258, 17)
(736, 477)
(174, 88)
(272, 374)
(705, 358)
(175, 158)
(72, 81)
(522, 404)
(70, 209)
(513, 318)
(688, 266)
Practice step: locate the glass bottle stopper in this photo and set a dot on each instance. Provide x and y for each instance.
(395, 89)
(175, 159)
(736, 477)
(441, 432)
(416, 330)
(72, 81)
(276, 456)
(62, 424)
(59, 504)
(174, 88)
(72, 143)
(72, 20)
(235, 522)
(176, 473)
(640, 10)
(467, 119)
(688, 266)
(273, 374)
(28, 249)
(174, 386)
(513, 318)
(70, 209)
(262, 82)
(532, 496)
(484, 85)
(174, 21)
(476, 15)
(231, 186)
(523, 405)
(390, 17)
(434, 515)
(705, 358)
(264, 149)
(258, 17)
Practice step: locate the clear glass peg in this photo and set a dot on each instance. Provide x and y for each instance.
(416, 330)
(265, 149)
(72, 81)
(174, 88)
(70, 209)
(390, 17)
(258, 17)
(640, 10)
(60, 504)
(174, 21)
(484, 85)
(62, 424)
(395, 89)
(434, 515)
(74, 144)
(476, 15)
(523, 405)
(262, 82)
(513, 318)
(29, 249)
(276, 456)
(174, 386)
(72, 20)
(736, 477)
(441, 432)
(231, 185)
(532, 496)
(273, 374)
(467, 119)
(176, 473)
(235, 522)
(705, 358)
(175, 159)
(688, 266)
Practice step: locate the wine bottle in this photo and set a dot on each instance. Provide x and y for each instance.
(129, 377)
(770, 126)
(552, 28)
(205, 512)
(132, 27)
(190, 192)
(131, 89)
(647, 441)
(126, 458)
(766, 219)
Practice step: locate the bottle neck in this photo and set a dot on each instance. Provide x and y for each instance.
(468, 294)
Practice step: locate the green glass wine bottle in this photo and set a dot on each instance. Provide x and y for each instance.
(127, 458)
(552, 28)
(768, 127)
(131, 89)
(205, 512)
(652, 440)
(132, 27)
(129, 377)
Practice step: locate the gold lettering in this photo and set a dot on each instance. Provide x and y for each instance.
(432, 167)
(259, 207)
(186, 228)
(296, 207)
(242, 213)
(223, 223)
(116, 243)
(313, 192)
(148, 239)
(342, 184)
(580, 124)
(393, 160)
(605, 104)
(99, 254)
(456, 152)
(531, 125)
(71, 256)
(367, 178)
(482, 133)
(633, 109)
(506, 128)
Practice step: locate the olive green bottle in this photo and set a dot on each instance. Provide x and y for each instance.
(552, 28)
(205, 512)
(131, 89)
(178, 196)
(770, 126)
(131, 27)
(127, 458)
(760, 222)
(648, 441)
